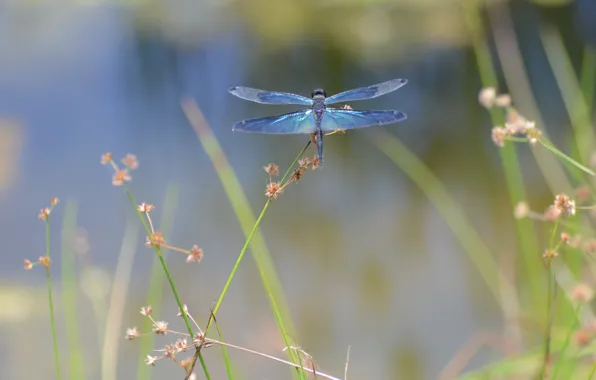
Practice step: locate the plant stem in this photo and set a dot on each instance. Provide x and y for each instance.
(51, 302)
(172, 285)
(566, 342)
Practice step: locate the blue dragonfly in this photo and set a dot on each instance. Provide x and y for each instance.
(318, 119)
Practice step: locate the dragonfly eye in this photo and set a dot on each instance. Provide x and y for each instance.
(319, 92)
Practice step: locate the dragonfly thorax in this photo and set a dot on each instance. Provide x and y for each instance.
(318, 92)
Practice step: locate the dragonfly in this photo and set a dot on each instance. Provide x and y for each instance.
(318, 119)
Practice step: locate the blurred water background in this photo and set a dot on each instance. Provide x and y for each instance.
(365, 260)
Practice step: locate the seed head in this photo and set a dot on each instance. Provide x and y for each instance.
(145, 208)
(583, 337)
(271, 169)
(314, 162)
(44, 213)
(185, 310)
(160, 327)
(347, 107)
(132, 333)
(28, 264)
(296, 175)
(498, 135)
(130, 161)
(549, 254)
(120, 177)
(503, 101)
(106, 158)
(54, 201)
(582, 293)
(170, 352)
(150, 360)
(146, 310)
(521, 211)
(181, 345)
(533, 134)
(565, 204)
(195, 255)
(156, 240)
(565, 238)
(487, 97)
(45, 261)
(552, 213)
(273, 190)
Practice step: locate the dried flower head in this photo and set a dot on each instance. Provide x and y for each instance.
(54, 201)
(503, 101)
(582, 293)
(549, 254)
(156, 240)
(487, 97)
(179, 314)
(28, 264)
(565, 238)
(583, 337)
(147, 310)
(198, 339)
(170, 352)
(498, 135)
(552, 213)
(130, 161)
(521, 211)
(45, 261)
(314, 162)
(160, 327)
(181, 345)
(120, 176)
(132, 333)
(533, 134)
(150, 360)
(195, 255)
(304, 162)
(273, 190)
(347, 107)
(565, 204)
(106, 158)
(44, 213)
(514, 122)
(296, 175)
(271, 169)
(145, 208)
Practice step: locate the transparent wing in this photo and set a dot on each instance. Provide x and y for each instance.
(269, 97)
(290, 123)
(335, 119)
(369, 92)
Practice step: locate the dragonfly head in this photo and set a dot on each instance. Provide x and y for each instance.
(318, 92)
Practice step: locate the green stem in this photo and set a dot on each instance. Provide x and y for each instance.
(588, 76)
(170, 280)
(566, 342)
(592, 372)
(249, 238)
(51, 302)
(549, 297)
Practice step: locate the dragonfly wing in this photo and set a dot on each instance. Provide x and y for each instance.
(290, 123)
(369, 92)
(335, 119)
(269, 97)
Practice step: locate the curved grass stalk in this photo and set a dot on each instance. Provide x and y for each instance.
(250, 226)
